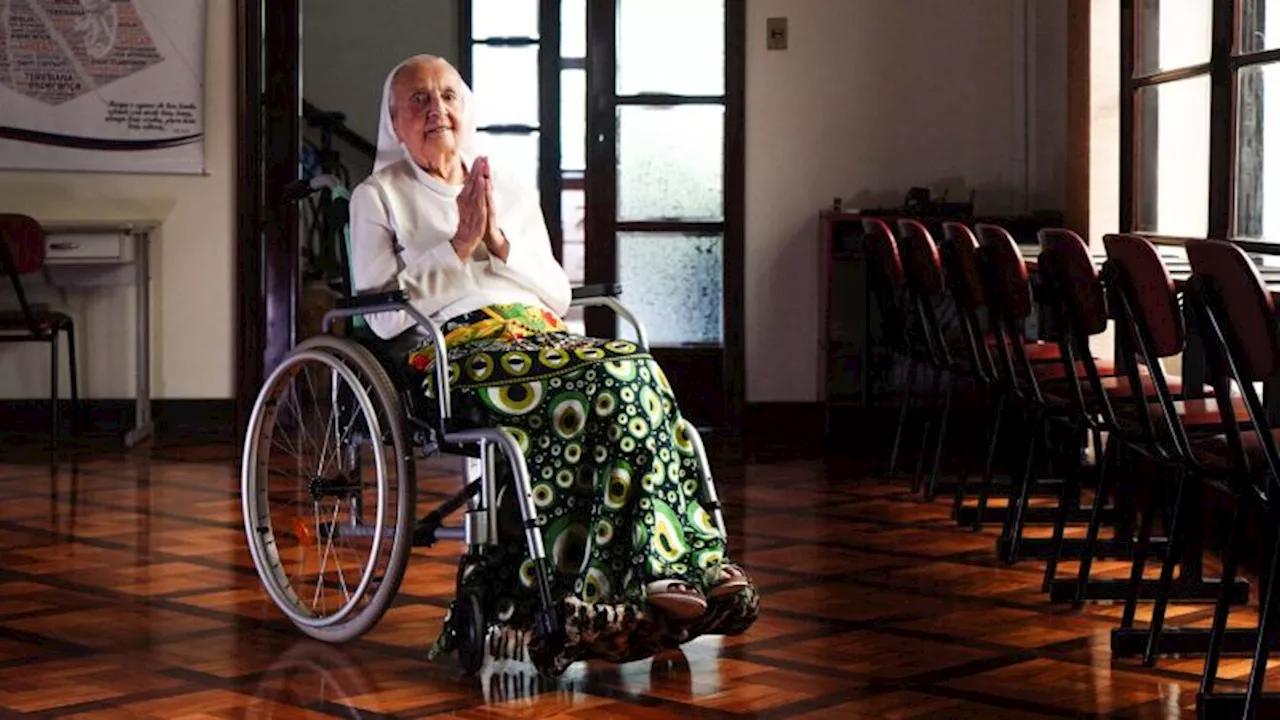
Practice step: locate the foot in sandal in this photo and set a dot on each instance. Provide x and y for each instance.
(677, 599)
(732, 579)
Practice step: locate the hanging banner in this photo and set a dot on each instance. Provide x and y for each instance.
(102, 85)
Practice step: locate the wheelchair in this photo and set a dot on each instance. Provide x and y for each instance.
(369, 425)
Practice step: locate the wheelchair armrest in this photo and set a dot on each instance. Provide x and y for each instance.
(606, 295)
(599, 290)
(362, 302)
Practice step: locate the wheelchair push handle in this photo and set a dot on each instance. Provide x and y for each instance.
(304, 188)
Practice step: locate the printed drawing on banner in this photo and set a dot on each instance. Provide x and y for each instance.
(102, 85)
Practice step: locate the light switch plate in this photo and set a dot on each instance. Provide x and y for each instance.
(777, 33)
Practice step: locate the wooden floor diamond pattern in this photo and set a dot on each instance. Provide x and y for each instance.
(126, 591)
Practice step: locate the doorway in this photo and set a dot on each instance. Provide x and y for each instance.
(637, 152)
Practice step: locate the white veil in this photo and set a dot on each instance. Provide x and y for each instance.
(391, 150)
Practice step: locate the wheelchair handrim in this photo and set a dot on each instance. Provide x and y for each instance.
(266, 561)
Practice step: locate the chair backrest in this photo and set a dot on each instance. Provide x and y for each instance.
(23, 240)
(967, 272)
(1247, 312)
(888, 281)
(1009, 283)
(1067, 264)
(1150, 327)
(883, 251)
(1151, 287)
(921, 262)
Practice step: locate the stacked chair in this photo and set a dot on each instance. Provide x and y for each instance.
(1163, 446)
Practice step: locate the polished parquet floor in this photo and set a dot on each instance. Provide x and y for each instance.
(126, 592)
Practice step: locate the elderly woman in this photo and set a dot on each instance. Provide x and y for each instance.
(637, 561)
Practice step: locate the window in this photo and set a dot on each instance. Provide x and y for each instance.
(531, 107)
(1200, 120)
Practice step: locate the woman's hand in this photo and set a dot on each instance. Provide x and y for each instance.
(473, 216)
(494, 240)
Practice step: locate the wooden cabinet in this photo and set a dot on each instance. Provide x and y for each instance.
(857, 375)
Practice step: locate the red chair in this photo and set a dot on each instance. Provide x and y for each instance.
(22, 253)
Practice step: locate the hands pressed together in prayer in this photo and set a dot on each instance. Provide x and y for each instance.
(477, 218)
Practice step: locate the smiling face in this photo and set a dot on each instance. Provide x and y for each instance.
(427, 112)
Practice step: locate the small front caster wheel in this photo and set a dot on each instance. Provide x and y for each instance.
(472, 631)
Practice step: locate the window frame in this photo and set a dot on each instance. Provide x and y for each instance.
(1223, 69)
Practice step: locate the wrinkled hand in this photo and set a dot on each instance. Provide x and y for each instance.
(494, 240)
(473, 216)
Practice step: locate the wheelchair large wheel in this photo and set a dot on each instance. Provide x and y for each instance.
(328, 488)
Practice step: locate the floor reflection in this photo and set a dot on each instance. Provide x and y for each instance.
(126, 590)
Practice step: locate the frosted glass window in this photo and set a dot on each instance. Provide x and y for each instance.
(1256, 19)
(573, 28)
(674, 285)
(505, 83)
(504, 19)
(671, 163)
(573, 120)
(671, 46)
(518, 154)
(1172, 34)
(573, 213)
(1257, 183)
(1173, 167)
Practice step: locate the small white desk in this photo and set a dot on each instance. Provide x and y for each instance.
(95, 253)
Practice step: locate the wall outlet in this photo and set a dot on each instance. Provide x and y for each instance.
(776, 29)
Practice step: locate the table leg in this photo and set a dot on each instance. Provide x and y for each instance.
(142, 426)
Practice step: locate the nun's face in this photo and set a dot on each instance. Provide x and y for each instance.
(427, 113)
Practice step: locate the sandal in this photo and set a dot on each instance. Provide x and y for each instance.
(732, 579)
(677, 599)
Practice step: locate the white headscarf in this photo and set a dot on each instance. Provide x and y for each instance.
(391, 150)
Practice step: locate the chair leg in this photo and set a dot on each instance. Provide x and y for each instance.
(932, 490)
(902, 415)
(1140, 559)
(1166, 575)
(54, 424)
(917, 483)
(1066, 502)
(988, 473)
(75, 384)
(1015, 518)
(1095, 519)
(962, 480)
(1266, 630)
(1223, 605)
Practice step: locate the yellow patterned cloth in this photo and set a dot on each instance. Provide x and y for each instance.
(507, 323)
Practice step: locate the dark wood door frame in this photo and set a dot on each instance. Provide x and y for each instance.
(268, 131)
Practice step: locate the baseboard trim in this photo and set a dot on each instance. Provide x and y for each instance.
(789, 423)
(211, 420)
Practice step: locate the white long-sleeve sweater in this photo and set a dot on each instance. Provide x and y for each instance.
(401, 204)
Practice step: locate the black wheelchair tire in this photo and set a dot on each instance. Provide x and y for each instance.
(387, 403)
(472, 632)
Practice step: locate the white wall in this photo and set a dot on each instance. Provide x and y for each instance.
(193, 302)
(870, 99)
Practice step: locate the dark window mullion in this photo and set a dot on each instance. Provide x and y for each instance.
(601, 174)
(1222, 114)
(1167, 76)
(549, 118)
(672, 226)
(660, 99)
(506, 41)
(1258, 58)
(1129, 191)
(508, 129)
